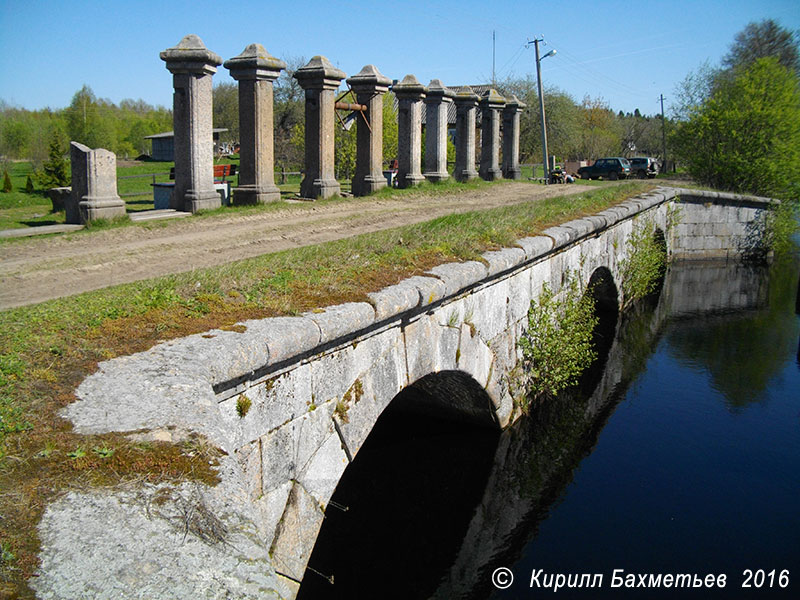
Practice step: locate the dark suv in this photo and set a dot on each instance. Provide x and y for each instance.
(607, 168)
(644, 167)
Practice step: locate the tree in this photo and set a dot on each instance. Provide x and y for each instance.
(29, 186)
(56, 170)
(289, 113)
(746, 136)
(760, 40)
(226, 110)
(600, 132)
(7, 187)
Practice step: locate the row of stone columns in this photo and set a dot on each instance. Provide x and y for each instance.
(193, 66)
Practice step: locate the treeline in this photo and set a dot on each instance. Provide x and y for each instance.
(584, 130)
(96, 122)
(738, 124)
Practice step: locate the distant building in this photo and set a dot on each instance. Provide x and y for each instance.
(164, 144)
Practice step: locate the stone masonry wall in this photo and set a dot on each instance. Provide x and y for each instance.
(317, 383)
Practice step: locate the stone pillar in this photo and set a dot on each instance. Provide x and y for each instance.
(466, 107)
(94, 185)
(491, 105)
(320, 79)
(410, 94)
(511, 114)
(192, 66)
(369, 86)
(437, 104)
(255, 70)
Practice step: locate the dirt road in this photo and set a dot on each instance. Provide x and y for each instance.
(38, 269)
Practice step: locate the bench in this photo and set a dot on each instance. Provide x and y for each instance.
(221, 172)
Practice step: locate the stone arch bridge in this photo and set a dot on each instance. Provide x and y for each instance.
(317, 383)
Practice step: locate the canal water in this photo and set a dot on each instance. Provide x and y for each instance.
(680, 454)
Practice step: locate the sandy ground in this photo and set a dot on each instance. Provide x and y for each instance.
(38, 269)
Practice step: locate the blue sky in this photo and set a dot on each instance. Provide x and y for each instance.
(624, 52)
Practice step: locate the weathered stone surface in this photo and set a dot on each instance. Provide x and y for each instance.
(296, 533)
(337, 321)
(320, 79)
(430, 347)
(287, 447)
(59, 197)
(580, 227)
(371, 390)
(437, 100)
(94, 185)
(430, 289)
(255, 70)
(503, 260)
(535, 247)
(369, 85)
(491, 105)
(561, 236)
(474, 356)
(394, 300)
(511, 115)
(192, 66)
(466, 102)
(410, 93)
(285, 337)
(457, 276)
(188, 541)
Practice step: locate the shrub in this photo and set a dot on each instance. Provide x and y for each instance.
(557, 345)
(7, 187)
(29, 186)
(643, 267)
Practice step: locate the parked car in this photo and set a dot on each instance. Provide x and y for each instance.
(607, 168)
(644, 167)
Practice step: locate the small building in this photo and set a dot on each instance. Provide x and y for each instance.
(164, 144)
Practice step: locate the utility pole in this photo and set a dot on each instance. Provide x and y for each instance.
(545, 160)
(494, 81)
(663, 135)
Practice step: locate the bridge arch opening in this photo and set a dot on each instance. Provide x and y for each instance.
(401, 509)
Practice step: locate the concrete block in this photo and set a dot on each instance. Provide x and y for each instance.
(535, 247)
(459, 276)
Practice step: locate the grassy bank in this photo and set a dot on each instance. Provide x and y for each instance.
(47, 349)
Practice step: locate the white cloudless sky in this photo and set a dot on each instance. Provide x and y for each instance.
(626, 53)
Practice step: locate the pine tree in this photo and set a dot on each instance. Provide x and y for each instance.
(7, 187)
(29, 186)
(56, 171)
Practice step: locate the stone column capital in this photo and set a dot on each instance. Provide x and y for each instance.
(438, 92)
(255, 63)
(409, 89)
(491, 99)
(369, 80)
(191, 56)
(319, 74)
(466, 97)
(514, 105)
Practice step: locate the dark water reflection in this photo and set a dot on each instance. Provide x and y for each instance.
(682, 455)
